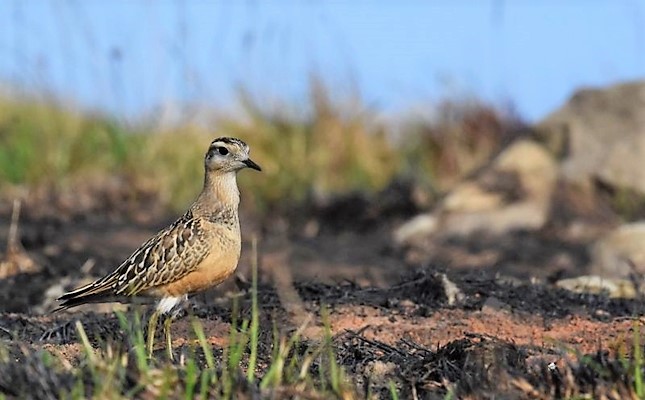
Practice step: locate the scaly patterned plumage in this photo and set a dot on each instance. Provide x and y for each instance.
(197, 251)
(170, 255)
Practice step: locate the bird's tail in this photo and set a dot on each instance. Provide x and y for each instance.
(96, 292)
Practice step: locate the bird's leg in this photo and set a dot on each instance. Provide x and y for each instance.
(152, 327)
(166, 329)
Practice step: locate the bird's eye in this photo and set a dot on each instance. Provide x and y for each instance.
(222, 150)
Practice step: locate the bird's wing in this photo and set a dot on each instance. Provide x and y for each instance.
(170, 255)
(167, 257)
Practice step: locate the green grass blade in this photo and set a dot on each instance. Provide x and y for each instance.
(255, 318)
(394, 394)
(135, 331)
(192, 376)
(206, 348)
(638, 363)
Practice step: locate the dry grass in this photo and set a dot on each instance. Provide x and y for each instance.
(315, 152)
(464, 136)
(323, 147)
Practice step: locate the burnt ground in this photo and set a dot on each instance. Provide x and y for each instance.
(507, 333)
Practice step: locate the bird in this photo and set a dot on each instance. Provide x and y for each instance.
(196, 252)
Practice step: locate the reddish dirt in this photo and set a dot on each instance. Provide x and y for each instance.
(573, 332)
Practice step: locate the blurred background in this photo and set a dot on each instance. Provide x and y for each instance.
(427, 166)
(332, 96)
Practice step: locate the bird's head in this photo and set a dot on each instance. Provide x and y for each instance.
(227, 154)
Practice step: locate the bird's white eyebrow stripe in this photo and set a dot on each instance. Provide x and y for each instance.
(228, 140)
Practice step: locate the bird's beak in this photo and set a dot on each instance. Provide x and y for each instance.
(249, 163)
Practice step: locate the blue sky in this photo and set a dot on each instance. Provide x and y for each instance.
(128, 57)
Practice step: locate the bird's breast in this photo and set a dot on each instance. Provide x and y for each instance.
(218, 265)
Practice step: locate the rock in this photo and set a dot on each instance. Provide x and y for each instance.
(601, 135)
(513, 193)
(418, 227)
(493, 305)
(620, 252)
(524, 216)
(593, 284)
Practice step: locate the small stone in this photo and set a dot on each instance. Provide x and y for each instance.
(593, 284)
(416, 229)
(493, 305)
(379, 371)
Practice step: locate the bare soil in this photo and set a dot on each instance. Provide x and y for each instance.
(510, 334)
